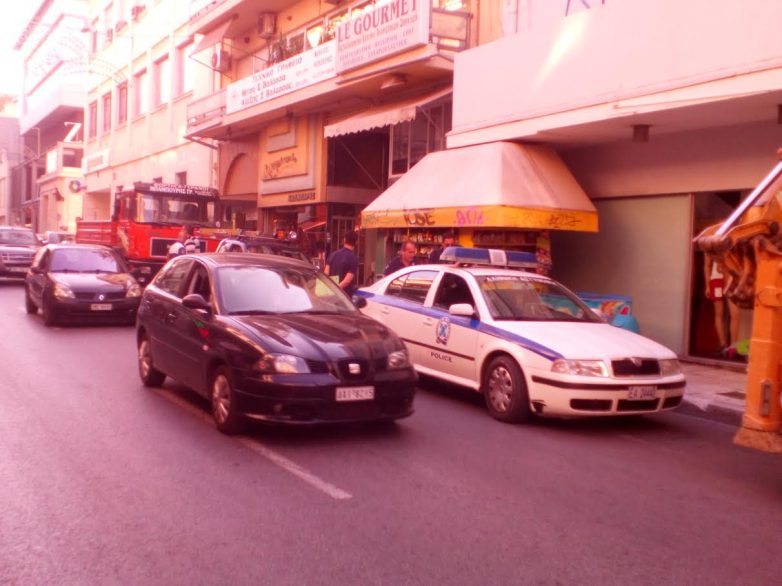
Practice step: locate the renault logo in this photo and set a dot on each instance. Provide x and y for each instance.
(354, 368)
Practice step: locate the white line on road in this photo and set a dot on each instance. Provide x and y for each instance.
(274, 457)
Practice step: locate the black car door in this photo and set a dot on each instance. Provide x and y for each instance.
(161, 304)
(190, 333)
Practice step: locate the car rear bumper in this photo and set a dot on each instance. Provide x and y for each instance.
(315, 402)
(551, 397)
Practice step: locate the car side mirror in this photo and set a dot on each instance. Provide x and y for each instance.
(359, 302)
(463, 309)
(196, 301)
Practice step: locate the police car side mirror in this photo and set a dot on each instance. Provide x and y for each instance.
(359, 302)
(197, 302)
(463, 309)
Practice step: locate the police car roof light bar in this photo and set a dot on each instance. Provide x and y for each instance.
(489, 257)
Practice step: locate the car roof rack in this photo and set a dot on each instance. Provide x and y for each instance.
(490, 257)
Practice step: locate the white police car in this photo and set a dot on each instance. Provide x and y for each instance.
(523, 340)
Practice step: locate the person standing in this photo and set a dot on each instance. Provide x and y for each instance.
(448, 240)
(342, 264)
(186, 243)
(406, 258)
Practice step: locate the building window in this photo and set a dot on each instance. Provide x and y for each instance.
(411, 141)
(94, 36)
(106, 112)
(122, 103)
(162, 81)
(184, 69)
(92, 119)
(181, 178)
(108, 26)
(140, 93)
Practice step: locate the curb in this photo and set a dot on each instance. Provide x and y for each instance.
(712, 412)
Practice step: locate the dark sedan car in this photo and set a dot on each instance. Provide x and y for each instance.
(81, 282)
(271, 339)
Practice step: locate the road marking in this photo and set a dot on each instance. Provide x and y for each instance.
(275, 458)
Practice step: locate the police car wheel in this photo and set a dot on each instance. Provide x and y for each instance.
(505, 391)
(224, 409)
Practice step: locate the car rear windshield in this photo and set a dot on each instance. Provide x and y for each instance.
(19, 237)
(525, 298)
(261, 290)
(85, 260)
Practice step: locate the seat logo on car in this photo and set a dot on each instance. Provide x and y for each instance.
(101, 297)
(354, 368)
(443, 331)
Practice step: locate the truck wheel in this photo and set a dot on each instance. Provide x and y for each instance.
(505, 391)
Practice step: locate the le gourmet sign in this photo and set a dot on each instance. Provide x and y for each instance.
(390, 27)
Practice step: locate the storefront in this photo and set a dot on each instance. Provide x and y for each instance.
(497, 195)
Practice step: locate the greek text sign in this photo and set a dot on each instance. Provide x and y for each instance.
(390, 27)
(282, 78)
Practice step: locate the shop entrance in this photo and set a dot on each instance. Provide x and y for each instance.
(718, 329)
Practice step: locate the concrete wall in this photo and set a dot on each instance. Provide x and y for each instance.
(642, 250)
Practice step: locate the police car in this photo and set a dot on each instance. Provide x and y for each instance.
(522, 339)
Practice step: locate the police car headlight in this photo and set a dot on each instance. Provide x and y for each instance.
(670, 367)
(62, 291)
(283, 364)
(398, 359)
(580, 367)
(134, 290)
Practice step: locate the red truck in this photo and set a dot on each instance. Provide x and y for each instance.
(148, 218)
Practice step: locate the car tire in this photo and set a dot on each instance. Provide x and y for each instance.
(505, 391)
(150, 376)
(29, 305)
(48, 313)
(223, 399)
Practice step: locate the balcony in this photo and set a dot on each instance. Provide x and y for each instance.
(204, 14)
(358, 55)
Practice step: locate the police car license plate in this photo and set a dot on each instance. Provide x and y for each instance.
(642, 393)
(100, 306)
(355, 393)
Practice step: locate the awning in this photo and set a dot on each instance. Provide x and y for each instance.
(311, 225)
(384, 115)
(493, 185)
(213, 37)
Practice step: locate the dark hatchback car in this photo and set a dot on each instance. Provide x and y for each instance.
(17, 248)
(82, 282)
(271, 339)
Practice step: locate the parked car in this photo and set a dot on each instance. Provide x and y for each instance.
(81, 282)
(524, 341)
(262, 245)
(272, 339)
(52, 237)
(17, 248)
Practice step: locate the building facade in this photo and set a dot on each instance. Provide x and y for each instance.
(9, 157)
(140, 80)
(49, 177)
(667, 113)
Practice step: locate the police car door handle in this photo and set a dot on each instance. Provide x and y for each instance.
(384, 310)
(428, 321)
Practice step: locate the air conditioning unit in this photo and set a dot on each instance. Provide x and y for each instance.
(221, 60)
(136, 10)
(267, 24)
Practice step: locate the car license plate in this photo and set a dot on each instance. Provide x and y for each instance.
(642, 393)
(100, 306)
(355, 393)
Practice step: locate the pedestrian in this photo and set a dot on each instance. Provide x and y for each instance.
(406, 258)
(186, 243)
(448, 240)
(342, 264)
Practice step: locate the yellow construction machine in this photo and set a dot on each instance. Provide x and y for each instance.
(749, 247)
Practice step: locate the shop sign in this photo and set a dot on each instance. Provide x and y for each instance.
(390, 27)
(305, 69)
(302, 196)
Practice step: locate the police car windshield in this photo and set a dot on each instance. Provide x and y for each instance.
(526, 298)
(254, 290)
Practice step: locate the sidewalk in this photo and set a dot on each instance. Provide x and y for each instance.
(714, 392)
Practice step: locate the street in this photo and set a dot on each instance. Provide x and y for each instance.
(105, 482)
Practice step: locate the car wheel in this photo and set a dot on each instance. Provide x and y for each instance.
(224, 409)
(505, 391)
(150, 376)
(48, 312)
(29, 304)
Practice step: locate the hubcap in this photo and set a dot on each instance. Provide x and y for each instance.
(144, 358)
(500, 389)
(221, 398)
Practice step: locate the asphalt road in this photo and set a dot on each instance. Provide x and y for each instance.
(105, 482)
